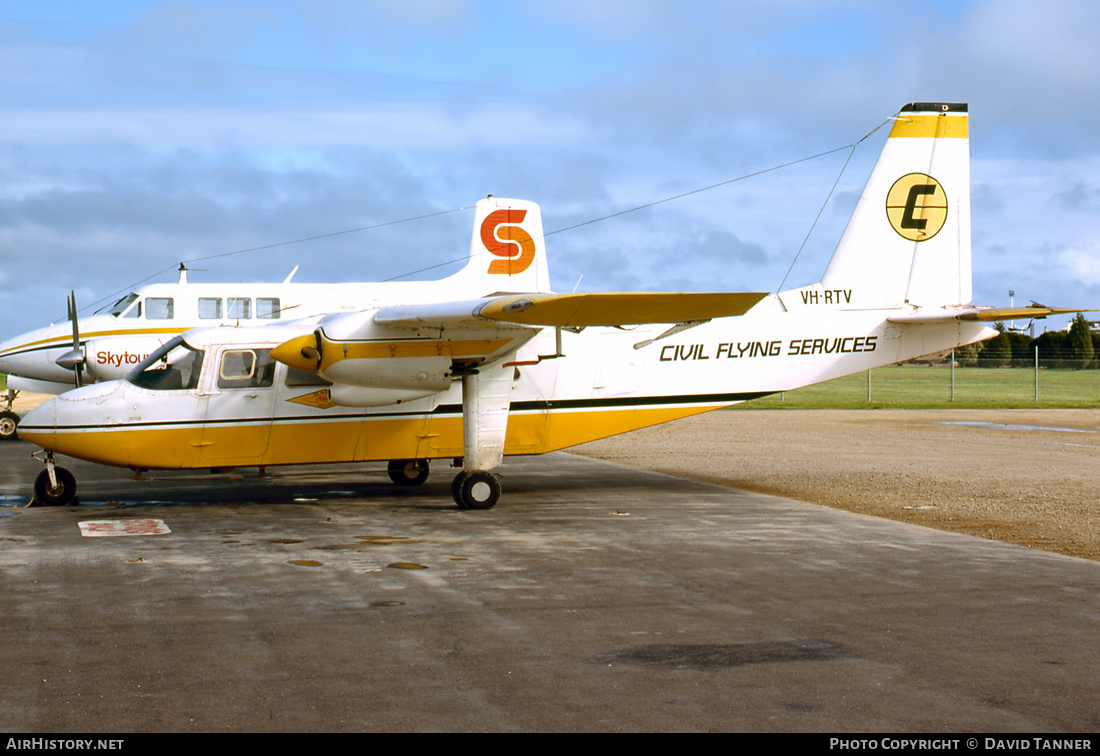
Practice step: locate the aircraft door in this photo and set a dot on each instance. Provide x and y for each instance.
(241, 404)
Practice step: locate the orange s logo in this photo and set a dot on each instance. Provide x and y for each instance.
(501, 235)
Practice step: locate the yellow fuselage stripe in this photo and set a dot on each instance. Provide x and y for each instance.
(193, 445)
(61, 341)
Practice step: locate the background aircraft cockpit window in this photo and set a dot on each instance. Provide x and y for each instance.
(246, 368)
(267, 308)
(159, 308)
(120, 307)
(238, 308)
(210, 308)
(173, 367)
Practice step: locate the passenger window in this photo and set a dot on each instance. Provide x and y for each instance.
(210, 308)
(267, 308)
(159, 308)
(246, 368)
(238, 308)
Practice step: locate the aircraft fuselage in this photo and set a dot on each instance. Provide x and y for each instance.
(600, 386)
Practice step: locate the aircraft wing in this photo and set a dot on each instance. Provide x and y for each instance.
(365, 347)
(573, 310)
(981, 314)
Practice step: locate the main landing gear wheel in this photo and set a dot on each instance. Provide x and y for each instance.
(476, 490)
(9, 421)
(49, 495)
(408, 472)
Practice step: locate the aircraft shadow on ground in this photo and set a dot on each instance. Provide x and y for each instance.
(526, 480)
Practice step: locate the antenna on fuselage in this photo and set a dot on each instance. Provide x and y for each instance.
(183, 272)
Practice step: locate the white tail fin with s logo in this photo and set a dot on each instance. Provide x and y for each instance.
(507, 249)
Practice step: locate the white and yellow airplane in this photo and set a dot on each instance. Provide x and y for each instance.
(494, 364)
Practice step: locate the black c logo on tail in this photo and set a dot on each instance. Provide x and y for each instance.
(916, 206)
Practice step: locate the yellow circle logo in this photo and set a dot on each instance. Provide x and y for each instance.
(916, 206)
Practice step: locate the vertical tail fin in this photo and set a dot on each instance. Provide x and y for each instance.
(507, 249)
(908, 240)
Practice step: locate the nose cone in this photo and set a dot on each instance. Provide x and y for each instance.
(81, 423)
(39, 426)
(34, 354)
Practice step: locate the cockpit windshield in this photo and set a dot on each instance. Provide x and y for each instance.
(122, 305)
(174, 367)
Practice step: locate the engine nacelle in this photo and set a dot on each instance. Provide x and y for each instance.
(363, 396)
(423, 374)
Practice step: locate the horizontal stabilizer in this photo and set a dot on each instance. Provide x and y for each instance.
(617, 309)
(982, 314)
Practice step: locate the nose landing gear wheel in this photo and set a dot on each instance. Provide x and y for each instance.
(476, 490)
(408, 472)
(49, 495)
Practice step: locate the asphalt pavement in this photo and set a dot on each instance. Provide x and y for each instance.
(593, 597)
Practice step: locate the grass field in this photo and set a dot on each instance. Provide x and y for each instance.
(926, 387)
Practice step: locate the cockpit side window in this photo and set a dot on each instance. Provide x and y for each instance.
(176, 366)
(159, 308)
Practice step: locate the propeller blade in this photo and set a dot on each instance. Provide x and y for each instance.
(78, 363)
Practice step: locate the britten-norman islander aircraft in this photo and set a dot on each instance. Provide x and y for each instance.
(490, 363)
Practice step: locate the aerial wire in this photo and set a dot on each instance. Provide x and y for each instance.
(700, 190)
(850, 147)
(852, 150)
(284, 244)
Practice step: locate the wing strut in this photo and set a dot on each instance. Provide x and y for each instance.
(678, 328)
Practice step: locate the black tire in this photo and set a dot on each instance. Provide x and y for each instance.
(456, 490)
(47, 495)
(408, 472)
(479, 490)
(9, 422)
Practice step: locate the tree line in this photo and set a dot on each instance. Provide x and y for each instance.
(1076, 348)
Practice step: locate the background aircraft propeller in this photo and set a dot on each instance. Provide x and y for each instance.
(74, 359)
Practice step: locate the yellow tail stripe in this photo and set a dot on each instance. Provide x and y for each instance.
(926, 126)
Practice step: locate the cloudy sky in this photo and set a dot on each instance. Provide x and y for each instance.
(138, 134)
